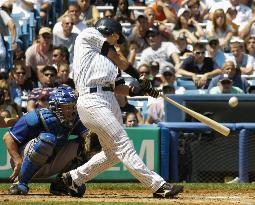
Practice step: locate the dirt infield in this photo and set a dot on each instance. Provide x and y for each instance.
(219, 197)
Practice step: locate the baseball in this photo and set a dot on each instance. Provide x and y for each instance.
(233, 101)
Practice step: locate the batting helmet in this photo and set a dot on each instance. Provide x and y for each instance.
(62, 102)
(108, 26)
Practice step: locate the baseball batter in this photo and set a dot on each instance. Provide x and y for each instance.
(94, 76)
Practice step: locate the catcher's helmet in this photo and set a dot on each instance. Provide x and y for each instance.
(62, 102)
(108, 26)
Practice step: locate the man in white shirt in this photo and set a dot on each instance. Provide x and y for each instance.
(162, 52)
(66, 37)
(74, 11)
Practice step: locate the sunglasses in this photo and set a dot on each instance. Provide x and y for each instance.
(200, 53)
(49, 74)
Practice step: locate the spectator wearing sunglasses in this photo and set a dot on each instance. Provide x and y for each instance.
(39, 54)
(38, 98)
(20, 86)
(225, 86)
(230, 69)
(198, 67)
(65, 37)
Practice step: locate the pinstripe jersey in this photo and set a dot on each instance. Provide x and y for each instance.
(89, 66)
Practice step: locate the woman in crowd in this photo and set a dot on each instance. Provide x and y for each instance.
(6, 102)
(123, 14)
(188, 26)
(89, 12)
(20, 86)
(220, 28)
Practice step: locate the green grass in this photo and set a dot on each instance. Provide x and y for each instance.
(139, 186)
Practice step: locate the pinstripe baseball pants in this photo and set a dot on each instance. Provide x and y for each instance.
(100, 112)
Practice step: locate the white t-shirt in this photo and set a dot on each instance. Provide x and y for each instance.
(161, 55)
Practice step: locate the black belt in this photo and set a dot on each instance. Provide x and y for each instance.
(94, 90)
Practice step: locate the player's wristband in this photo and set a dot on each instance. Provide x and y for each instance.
(132, 71)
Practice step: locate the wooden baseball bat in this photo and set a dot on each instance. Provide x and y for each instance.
(211, 123)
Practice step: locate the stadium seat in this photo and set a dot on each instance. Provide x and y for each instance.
(187, 83)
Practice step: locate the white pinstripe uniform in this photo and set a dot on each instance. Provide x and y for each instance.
(100, 112)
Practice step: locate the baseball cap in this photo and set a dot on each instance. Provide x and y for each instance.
(45, 30)
(181, 11)
(167, 69)
(236, 39)
(154, 64)
(152, 30)
(212, 39)
(225, 78)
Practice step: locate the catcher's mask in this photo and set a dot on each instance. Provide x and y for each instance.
(62, 102)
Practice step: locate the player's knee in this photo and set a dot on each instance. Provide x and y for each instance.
(43, 148)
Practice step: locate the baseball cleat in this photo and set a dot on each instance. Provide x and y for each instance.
(58, 187)
(18, 189)
(72, 188)
(168, 191)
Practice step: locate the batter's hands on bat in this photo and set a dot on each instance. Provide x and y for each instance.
(146, 86)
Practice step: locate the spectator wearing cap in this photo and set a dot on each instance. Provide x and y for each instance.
(250, 45)
(199, 67)
(168, 78)
(187, 26)
(220, 28)
(230, 70)
(74, 11)
(225, 86)
(138, 33)
(39, 96)
(244, 61)
(158, 50)
(155, 81)
(66, 37)
(39, 54)
(163, 12)
(214, 51)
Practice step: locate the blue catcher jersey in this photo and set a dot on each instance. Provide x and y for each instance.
(30, 125)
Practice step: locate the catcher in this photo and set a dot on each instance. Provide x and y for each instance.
(39, 147)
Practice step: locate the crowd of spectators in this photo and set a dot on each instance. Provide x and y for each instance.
(209, 42)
